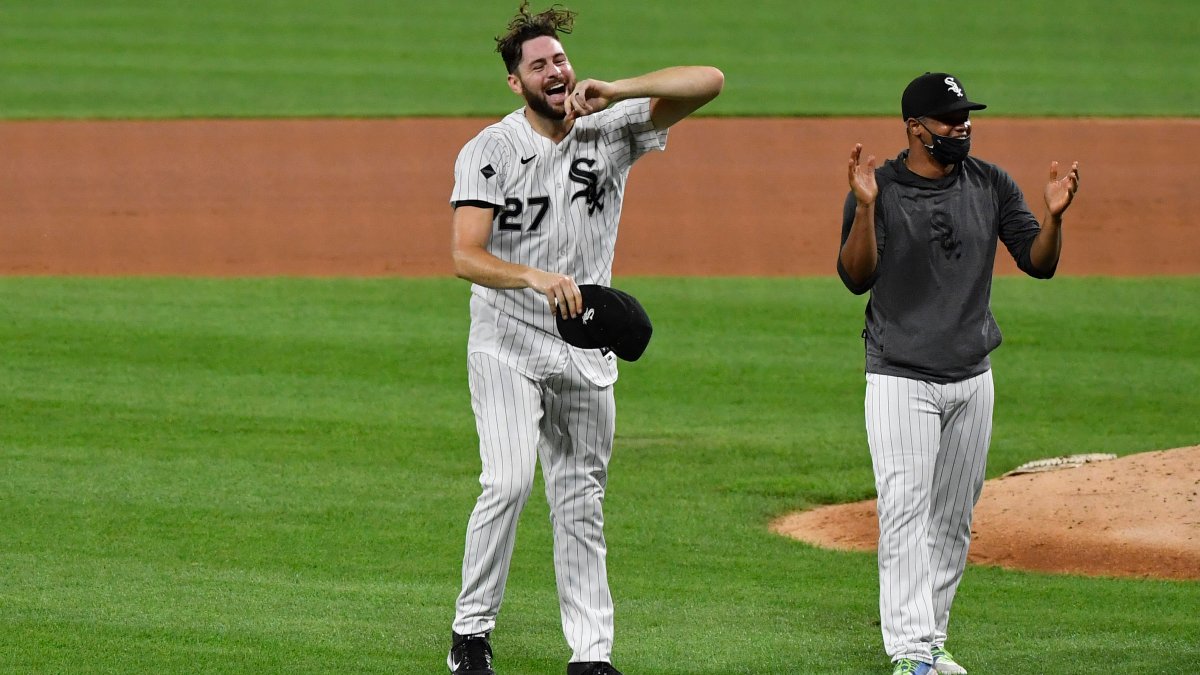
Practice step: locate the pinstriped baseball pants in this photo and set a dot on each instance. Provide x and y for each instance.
(569, 422)
(929, 446)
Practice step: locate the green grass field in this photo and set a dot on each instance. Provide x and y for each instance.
(269, 58)
(274, 475)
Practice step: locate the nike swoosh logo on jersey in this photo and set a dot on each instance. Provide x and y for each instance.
(526, 160)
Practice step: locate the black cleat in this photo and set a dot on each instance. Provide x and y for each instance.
(591, 668)
(470, 655)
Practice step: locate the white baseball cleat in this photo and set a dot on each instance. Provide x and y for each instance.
(944, 663)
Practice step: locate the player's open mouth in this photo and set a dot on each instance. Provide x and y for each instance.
(557, 93)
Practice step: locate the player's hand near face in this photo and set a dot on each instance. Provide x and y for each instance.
(674, 93)
(561, 291)
(589, 96)
(1060, 192)
(862, 177)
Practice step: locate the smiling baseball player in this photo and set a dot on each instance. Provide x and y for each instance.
(537, 199)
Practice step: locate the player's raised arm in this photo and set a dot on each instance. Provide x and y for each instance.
(1059, 193)
(676, 92)
(860, 255)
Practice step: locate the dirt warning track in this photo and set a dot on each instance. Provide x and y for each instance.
(369, 197)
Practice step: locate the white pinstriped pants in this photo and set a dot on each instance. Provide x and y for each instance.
(929, 446)
(569, 422)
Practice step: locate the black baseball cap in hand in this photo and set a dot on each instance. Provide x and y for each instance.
(934, 94)
(611, 319)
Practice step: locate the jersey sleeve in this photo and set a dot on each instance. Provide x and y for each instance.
(628, 126)
(1018, 225)
(479, 172)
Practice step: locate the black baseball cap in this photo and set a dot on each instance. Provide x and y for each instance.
(934, 94)
(611, 319)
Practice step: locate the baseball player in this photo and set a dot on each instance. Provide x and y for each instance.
(537, 199)
(920, 233)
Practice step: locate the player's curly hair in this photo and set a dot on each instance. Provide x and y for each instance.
(525, 26)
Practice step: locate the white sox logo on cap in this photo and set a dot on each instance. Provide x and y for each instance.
(934, 94)
(613, 320)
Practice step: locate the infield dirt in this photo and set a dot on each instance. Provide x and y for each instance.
(730, 197)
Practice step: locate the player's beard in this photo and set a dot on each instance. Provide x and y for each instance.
(538, 104)
(536, 100)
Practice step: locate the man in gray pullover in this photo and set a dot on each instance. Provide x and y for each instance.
(920, 234)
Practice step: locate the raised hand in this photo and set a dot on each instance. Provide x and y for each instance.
(1061, 191)
(587, 97)
(862, 177)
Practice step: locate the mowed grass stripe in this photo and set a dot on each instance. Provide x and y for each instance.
(273, 475)
(269, 58)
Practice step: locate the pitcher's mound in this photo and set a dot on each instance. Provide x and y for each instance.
(1136, 516)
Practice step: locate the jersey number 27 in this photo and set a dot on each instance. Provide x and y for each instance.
(510, 217)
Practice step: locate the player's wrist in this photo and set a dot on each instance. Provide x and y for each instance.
(619, 90)
(528, 276)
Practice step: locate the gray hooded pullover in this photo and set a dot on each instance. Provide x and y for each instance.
(929, 315)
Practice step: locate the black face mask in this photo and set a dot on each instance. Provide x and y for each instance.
(948, 150)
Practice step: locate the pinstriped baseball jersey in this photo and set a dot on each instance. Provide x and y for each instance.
(557, 208)
(535, 398)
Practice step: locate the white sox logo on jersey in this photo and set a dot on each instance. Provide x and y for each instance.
(954, 86)
(943, 234)
(592, 194)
